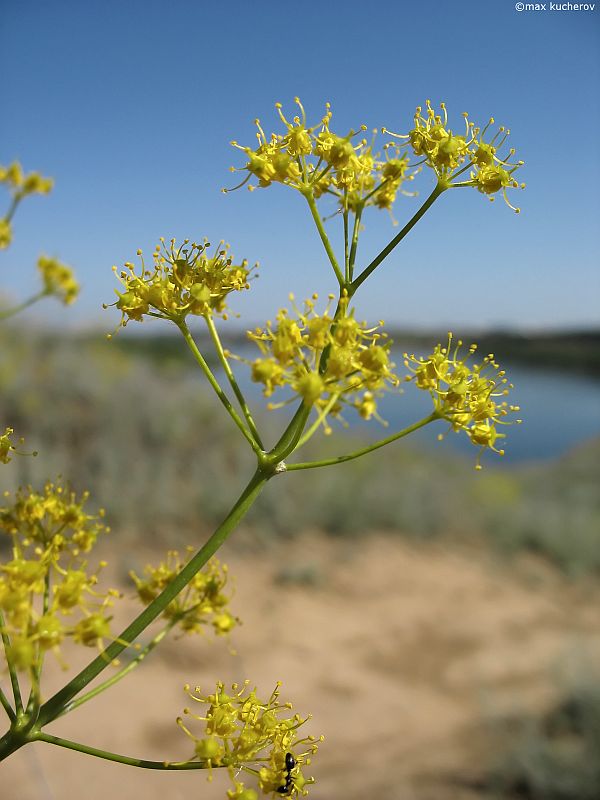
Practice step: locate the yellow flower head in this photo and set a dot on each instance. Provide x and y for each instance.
(471, 397)
(21, 185)
(451, 155)
(202, 602)
(184, 280)
(47, 591)
(58, 279)
(327, 364)
(249, 735)
(54, 517)
(314, 159)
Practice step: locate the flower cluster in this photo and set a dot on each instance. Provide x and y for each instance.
(47, 591)
(327, 363)
(183, 280)
(7, 448)
(468, 396)
(58, 279)
(201, 603)
(315, 159)
(450, 155)
(19, 185)
(258, 737)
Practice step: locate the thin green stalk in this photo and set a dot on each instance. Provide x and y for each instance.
(346, 253)
(291, 436)
(13, 207)
(108, 756)
(122, 672)
(326, 462)
(14, 679)
(216, 386)
(34, 694)
(320, 418)
(10, 312)
(310, 199)
(355, 233)
(397, 239)
(55, 705)
(7, 706)
(232, 381)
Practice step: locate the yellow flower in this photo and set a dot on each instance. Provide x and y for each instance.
(184, 280)
(54, 517)
(22, 185)
(203, 601)
(314, 159)
(47, 578)
(245, 733)
(325, 363)
(450, 155)
(58, 279)
(6, 446)
(469, 397)
(5, 233)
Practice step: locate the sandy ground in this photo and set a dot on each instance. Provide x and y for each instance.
(404, 653)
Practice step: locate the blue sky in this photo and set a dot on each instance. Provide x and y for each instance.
(130, 106)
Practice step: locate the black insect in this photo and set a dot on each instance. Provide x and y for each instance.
(290, 763)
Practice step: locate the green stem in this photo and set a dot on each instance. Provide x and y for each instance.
(7, 706)
(397, 239)
(121, 673)
(14, 679)
(13, 207)
(55, 705)
(10, 312)
(310, 199)
(319, 420)
(108, 756)
(232, 381)
(34, 695)
(216, 386)
(327, 462)
(355, 233)
(291, 436)
(346, 253)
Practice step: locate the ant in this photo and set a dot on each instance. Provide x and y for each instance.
(290, 763)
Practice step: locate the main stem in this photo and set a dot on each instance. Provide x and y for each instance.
(11, 741)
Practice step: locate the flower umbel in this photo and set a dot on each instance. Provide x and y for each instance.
(258, 737)
(469, 397)
(20, 185)
(327, 364)
(47, 591)
(314, 159)
(450, 154)
(201, 603)
(184, 280)
(58, 279)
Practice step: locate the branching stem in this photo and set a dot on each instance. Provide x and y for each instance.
(327, 462)
(216, 386)
(398, 238)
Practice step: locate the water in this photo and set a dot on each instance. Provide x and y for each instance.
(559, 411)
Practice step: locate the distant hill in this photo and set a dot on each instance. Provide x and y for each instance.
(575, 351)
